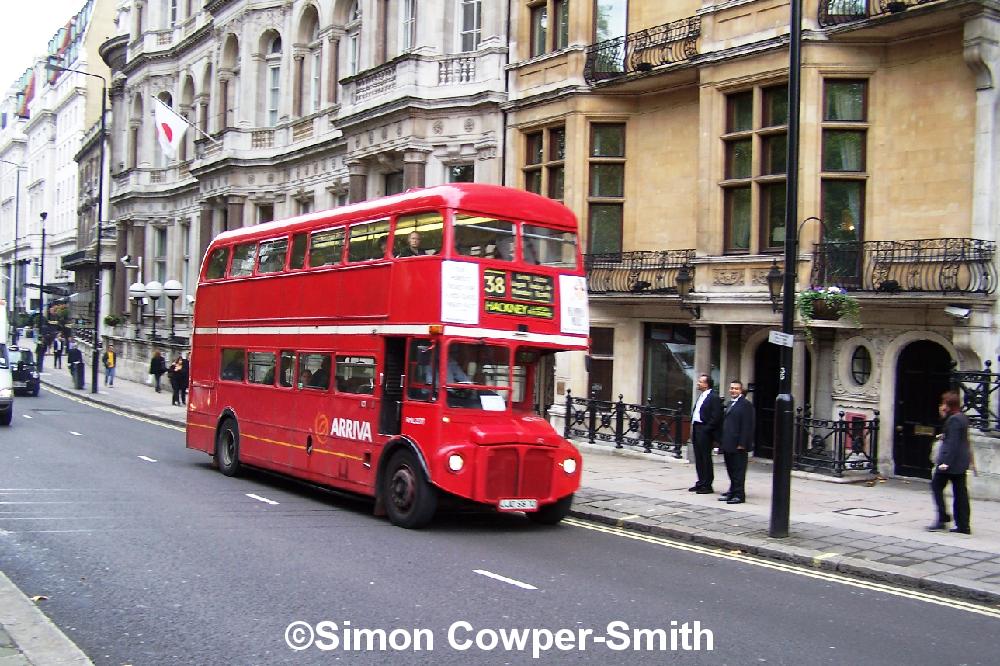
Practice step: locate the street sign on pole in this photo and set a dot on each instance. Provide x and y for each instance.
(781, 339)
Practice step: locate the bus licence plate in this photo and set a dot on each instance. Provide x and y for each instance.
(518, 505)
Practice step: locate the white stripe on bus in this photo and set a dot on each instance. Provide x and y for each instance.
(562, 340)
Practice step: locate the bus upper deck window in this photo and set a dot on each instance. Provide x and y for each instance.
(326, 248)
(368, 241)
(297, 259)
(548, 247)
(418, 235)
(217, 263)
(478, 236)
(272, 256)
(243, 258)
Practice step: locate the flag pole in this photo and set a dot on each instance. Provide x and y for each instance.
(186, 121)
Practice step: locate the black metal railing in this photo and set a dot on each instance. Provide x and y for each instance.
(635, 272)
(836, 12)
(644, 427)
(947, 265)
(642, 51)
(980, 390)
(831, 447)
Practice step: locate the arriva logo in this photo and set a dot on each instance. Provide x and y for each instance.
(350, 429)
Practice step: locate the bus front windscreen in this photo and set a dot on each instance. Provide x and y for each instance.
(478, 376)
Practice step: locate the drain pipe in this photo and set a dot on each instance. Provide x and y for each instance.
(503, 112)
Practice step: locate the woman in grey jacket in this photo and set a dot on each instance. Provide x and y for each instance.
(951, 464)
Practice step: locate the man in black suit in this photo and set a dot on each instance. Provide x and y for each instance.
(705, 421)
(737, 442)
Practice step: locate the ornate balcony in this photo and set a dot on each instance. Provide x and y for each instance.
(934, 265)
(642, 51)
(836, 12)
(635, 272)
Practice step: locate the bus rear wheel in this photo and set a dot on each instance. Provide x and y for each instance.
(410, 501)
(550, 514)
(227, 448)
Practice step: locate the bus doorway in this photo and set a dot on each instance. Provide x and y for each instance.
(392, 386)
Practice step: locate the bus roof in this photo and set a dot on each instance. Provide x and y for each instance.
(505, 202)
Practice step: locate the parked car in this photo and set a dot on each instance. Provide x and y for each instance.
(24, 371)
(6, 388)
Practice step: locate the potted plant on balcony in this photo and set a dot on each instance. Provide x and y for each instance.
(829, 303)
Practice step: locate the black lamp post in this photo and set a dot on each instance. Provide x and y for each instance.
(784, 404)
(41, 282)
(53, 67)
(153, 292)
(173, 290)
(137, 292)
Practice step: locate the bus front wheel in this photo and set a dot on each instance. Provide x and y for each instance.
(227, 448)
(550, 514)
(410, 500)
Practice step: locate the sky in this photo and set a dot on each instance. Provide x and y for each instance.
(25, 30)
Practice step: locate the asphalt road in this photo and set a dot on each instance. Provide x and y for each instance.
(149, 556)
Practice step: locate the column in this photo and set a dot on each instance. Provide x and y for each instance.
(414, 169)
(121, 273)
(204, 228)
(298, 59)
(358, 189)
(234, 209)
(702, 364)
(800, 390)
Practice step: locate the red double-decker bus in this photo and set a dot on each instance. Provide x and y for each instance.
(394, 348)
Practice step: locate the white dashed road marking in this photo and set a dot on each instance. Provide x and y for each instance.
(261, 499)
(147, 458)
(504, 579)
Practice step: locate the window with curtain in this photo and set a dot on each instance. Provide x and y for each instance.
(606, 190)
(354, 39)
(160, 252)
(610, 19)
(844, 168)
(753, 185)
(273, 81)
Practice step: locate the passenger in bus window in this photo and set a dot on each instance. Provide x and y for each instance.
(305, 377)
(321, 378)
(412, 248)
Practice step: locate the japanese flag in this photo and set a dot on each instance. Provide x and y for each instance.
(170, 128)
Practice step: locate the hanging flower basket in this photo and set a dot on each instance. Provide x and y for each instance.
(826, 303)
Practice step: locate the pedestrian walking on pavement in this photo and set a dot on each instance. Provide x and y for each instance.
(737, 442)
(57, 350)
(40, 353)
(109, 360)
(706, 419)
(951, 464)
(74, 358)
(183, 377)
(157, 366)
(173, 374)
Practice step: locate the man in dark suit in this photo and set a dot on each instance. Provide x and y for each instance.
(706, 418)
(737, 442)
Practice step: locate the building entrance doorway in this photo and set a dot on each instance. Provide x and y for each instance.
(922, 375)
(766, 364)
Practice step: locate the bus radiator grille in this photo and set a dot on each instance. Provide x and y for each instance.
(501, 474)
(536, 477)
(510, 476)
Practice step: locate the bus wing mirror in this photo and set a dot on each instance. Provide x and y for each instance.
(586, 362)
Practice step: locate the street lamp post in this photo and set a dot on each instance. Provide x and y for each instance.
(153, 291)
(17, 217)
(784, 404)
(173, 290)
(51, 66)
(41, 283)
(137, 292)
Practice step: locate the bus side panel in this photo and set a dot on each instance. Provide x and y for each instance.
(201, 414)
(363, 292)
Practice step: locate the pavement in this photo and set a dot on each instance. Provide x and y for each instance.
(864, 526)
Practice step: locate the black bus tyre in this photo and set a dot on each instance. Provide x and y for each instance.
(227, 448)
(410, 500)
(6, 418)
(550, 514)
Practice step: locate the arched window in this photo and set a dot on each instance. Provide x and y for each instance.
(273, 64)
(354, 39)
(316, 69)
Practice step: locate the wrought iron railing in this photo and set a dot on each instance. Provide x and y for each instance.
(643, 51)
(980, 390)
(947, 265)
(635, 272)
(831, 447)
(836, 12)
(644, 427)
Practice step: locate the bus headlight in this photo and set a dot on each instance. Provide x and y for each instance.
(455, 462)
(569, 466)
